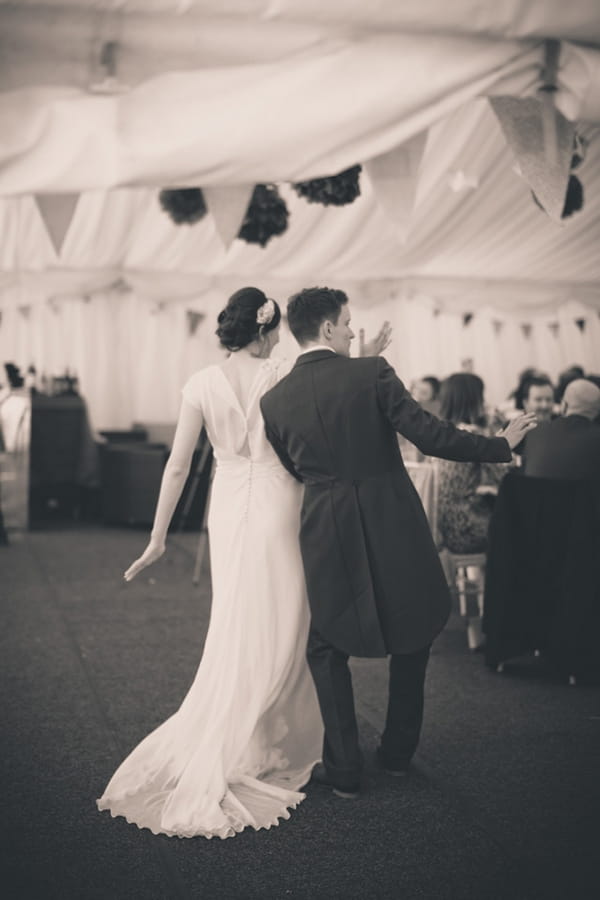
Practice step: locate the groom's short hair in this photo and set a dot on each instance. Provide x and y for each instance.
(307, 310)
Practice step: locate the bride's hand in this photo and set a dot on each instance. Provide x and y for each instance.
(152, 552)
(379, 342)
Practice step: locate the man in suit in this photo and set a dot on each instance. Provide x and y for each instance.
(568, 446)
(374, 580)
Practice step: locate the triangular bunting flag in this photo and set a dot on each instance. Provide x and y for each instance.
(227, 205)
(57, 211)
(467, 317)
(25, 310)
(497, 325)
(193, 320)
(394, 176)
(526, 329)
(554, 327)
(523, 123)
(580, 324)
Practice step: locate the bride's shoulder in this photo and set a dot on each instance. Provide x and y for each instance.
(278, 366)
(193, 387)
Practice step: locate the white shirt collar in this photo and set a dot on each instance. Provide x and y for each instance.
(315, 347)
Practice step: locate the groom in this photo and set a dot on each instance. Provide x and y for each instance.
(375, 583)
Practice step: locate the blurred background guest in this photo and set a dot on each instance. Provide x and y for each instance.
(565, 378)
(426, 391)
(568, 446)
(513, 405)
(538, 397)
(595, 379)
(464, 489)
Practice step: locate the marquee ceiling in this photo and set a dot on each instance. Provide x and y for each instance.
(229, 91)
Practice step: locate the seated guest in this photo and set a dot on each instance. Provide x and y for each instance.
(463, 508)
(595, 379)
(568, 446)
(426, 392)
(538, 397)
(565, 378)
(513, 405)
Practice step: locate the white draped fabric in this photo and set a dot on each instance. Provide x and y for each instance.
(494, 232)
(112, 306)
(313, 114)
(133, 354)
(264, 91)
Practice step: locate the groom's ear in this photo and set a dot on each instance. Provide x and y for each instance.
(327, 329)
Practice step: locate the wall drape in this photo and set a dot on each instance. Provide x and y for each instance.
(133, 353)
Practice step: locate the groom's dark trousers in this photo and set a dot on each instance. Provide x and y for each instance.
(374, 580)
(341, 751)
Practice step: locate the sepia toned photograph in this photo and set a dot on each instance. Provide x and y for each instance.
(300, 449)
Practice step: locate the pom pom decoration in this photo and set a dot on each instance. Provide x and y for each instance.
(574, 197)
(266, 216)
(337, 190)
(579, 150)
(185, 206)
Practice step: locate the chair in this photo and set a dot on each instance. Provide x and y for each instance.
(130, 477)
(542, 585)
(456, 567)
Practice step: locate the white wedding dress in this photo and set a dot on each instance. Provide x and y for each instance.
(249, 731)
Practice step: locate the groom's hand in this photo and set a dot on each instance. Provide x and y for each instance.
(516, 430)
(379, 342)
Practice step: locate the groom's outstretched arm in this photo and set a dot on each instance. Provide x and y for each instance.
(433, 436)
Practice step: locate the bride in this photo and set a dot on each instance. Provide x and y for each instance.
(249, 732)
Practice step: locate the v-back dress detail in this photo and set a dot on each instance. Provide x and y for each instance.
(248, 733)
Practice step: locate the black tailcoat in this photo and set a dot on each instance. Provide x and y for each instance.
(374, 580)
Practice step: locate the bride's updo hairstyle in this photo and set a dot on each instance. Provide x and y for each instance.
(248, 314)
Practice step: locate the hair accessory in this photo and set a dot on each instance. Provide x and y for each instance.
(265, 313)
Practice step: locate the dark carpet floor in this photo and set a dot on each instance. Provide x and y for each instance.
(502, 803)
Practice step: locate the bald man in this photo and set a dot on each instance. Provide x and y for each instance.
(568, 446)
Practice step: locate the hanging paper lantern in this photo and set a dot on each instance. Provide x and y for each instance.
(266, 217)
(184, 205)
(336, 190)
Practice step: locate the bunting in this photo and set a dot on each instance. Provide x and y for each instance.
(524, 121)
(57, 211)
(193, 320)
(227, 205)
(526, 329)
(394, 176)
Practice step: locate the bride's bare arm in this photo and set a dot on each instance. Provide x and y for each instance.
(176, 471)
